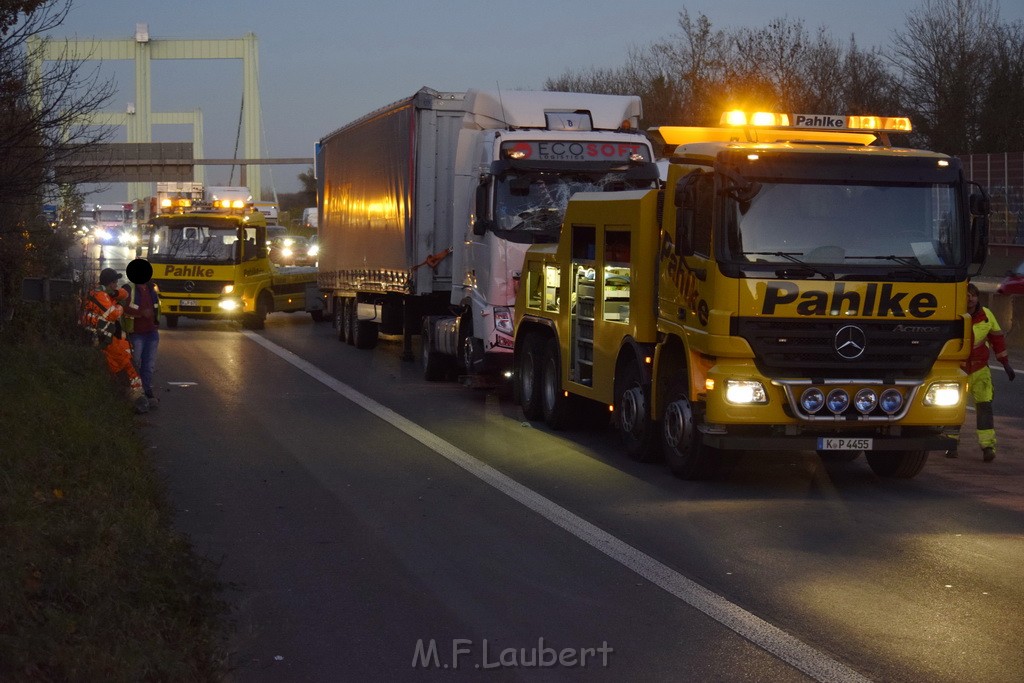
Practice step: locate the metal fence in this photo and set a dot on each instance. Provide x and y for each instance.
(1002, 176)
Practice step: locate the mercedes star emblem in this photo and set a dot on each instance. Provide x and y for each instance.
(850, 342)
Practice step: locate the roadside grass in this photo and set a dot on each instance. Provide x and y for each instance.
(94, 583)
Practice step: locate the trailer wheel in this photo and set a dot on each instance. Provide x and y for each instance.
(528, 382)
(633, 414)
(363, 332)
(172, 321)
(340, 322)
(900, 465)
(553, 401)
(436, 366)
(345, 331)
(684, 449)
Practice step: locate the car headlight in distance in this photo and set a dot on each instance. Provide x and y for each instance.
(745, 392)
(942, 394)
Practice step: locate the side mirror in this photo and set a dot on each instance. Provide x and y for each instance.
(980, 204)
(646, 172)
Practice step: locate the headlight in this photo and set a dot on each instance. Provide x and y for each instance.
(942, 394)
(228, 289)
(812, 400)
(313, 250)
(838, 400)
(890, 401)
(745, 392)
(286, 252)
(228, 304)
(865, 401)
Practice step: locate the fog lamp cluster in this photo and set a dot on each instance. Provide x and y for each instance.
(864, 401)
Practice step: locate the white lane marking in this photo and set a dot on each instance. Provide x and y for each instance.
(791, 650)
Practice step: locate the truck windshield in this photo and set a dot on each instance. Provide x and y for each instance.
(843, 224)
(111, 216)
(193, 244)
(534, 202)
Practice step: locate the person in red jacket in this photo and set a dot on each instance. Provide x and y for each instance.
(100, 317)
(986, 333)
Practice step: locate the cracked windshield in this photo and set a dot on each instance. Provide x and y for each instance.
(534, 203)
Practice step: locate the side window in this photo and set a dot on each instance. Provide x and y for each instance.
(702, 215)
(694, 197)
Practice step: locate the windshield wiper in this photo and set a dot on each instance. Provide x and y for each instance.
(805, 269)
(903, 261)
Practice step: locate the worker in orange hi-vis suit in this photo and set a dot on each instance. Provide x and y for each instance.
(101, 315)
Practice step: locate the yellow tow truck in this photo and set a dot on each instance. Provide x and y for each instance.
(212, 263)
(796, 285)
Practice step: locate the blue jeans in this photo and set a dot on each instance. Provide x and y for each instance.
(144, 347)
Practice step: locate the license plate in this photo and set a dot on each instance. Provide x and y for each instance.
(188, 302)
(836, 444)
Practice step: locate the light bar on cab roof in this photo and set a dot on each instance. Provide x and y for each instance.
(862, 122)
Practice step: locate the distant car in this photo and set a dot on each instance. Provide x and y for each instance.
(1013, 283)
(289, 250)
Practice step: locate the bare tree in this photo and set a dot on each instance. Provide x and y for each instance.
(697, 58)
(942, 58)
(43, 108)
(1002, 106)
(868, 87)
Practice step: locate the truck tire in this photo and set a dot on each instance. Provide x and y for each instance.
(633, 414)
(340, 318)
(685, 453)
(899, 465)
(528, 382)
(345, 331)
(172, 321)
(436, 366)
(363, 332)
(257, 320)
(554, 403)
(317, 315)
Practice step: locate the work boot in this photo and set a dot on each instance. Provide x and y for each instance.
(154, 402)
(141, 405)
(988, 454)
(951, 453)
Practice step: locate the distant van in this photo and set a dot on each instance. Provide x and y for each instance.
(309, 217)
(268, 209)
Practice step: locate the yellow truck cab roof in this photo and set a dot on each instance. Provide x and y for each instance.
(255, 219)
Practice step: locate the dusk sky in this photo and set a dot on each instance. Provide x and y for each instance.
(323, 64)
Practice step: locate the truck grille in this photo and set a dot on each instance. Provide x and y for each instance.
(809, 348)
(187, 287)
